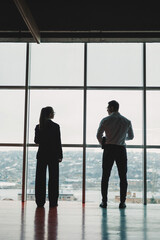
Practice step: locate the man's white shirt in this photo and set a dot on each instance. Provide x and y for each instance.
(117, 129)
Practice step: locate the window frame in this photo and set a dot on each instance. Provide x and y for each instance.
(84, 88)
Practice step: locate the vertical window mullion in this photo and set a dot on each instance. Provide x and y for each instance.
(144, 129)
(84, 122)
(26, 114)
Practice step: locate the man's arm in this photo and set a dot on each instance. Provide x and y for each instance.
(100, 132)
(130, 134)
(59, 147)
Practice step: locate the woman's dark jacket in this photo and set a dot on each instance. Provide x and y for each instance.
(49, 140)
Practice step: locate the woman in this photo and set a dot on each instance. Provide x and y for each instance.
(47, 135)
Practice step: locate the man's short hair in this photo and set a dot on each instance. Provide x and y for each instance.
(114, 104)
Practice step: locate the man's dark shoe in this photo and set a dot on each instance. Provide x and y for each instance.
(103, 205)
(122, 205)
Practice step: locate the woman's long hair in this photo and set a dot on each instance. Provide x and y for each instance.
(44, 116)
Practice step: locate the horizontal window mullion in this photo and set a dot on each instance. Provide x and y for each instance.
(56, 87)
(12, 87)
(113, 88)
(80, 88)
(63, 145)
(152, 88)
(11, 144)
(76, 145)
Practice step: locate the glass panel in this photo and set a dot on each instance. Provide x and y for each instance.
(153, 176)
(57, 64)
(130, 106)
(32, 151)
(134, 175)
(153, 118)
(153, 64)
(12, 116)
(13, 63)
(94, 173)
(70, 175)
(11, 160)
(115, 64)
(68, 107)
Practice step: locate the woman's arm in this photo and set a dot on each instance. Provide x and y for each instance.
(37, 135)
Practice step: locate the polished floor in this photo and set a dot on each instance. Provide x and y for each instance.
(74, 221)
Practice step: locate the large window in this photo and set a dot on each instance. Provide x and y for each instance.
(115, 64)
(153, 175)
(68, 109)
(70, 180)
(57, 64)
(153, 118)
(153, 64)
(134, 175)
(130, 106)
(78, 80)
(12, 59)
(12, 116)
(11, 161)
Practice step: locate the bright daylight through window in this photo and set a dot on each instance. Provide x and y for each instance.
(79, 89)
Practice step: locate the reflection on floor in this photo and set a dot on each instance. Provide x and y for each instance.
(72, 220)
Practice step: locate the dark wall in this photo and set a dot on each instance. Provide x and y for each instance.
(83, 16)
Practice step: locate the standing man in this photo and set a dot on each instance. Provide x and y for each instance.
(117, 129)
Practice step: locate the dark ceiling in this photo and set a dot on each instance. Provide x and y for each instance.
(80, 20)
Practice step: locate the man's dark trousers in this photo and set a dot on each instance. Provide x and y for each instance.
(118, 154)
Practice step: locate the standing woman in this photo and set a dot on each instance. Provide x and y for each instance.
(47, 135)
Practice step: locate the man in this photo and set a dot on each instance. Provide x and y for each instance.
(117, 129)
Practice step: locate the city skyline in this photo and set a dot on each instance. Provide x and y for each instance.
(71, 172)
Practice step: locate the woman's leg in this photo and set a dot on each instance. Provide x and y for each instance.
(40, 184)
(53, 183)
